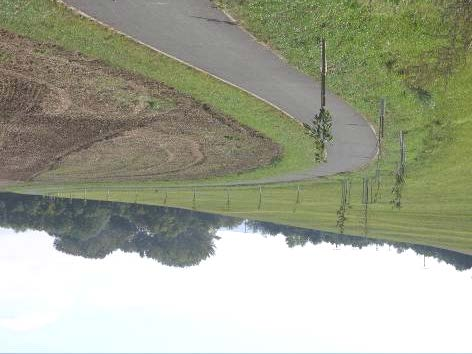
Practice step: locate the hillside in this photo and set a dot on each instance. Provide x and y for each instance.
(416, 54)
(386, 50)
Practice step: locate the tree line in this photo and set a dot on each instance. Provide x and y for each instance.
(173, 237)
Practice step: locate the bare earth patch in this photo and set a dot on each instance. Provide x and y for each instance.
(64, 116)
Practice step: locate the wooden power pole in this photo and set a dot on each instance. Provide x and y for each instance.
(323, 73)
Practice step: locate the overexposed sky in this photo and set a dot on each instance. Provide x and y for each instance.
(255, 294)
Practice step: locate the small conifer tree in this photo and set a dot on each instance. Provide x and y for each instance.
(320, 131)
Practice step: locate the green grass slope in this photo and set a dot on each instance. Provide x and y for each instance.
(416, 54)
(400, 50)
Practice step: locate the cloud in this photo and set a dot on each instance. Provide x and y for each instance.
(28, 322)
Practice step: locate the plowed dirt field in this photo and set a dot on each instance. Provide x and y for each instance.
(64, 116)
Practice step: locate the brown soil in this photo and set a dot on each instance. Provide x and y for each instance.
(69, 117)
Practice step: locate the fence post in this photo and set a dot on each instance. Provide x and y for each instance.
(402, 148)
(365, 190)
(260, 198)
(382, 117)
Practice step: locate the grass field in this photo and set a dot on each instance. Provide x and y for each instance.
(442, 223)
(385, 50)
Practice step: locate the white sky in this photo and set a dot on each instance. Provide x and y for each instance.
(255, 294)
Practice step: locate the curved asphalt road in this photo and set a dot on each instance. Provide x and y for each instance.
(196, 32)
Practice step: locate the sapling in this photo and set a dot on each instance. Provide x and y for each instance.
(320, 131)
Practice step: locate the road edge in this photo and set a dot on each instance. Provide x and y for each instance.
(111, 28)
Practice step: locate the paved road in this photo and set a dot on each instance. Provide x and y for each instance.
(198, 33)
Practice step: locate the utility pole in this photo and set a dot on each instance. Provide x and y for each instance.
(323, 73)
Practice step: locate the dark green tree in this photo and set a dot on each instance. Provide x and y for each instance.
(320, 130)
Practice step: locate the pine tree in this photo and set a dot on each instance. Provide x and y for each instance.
(320, 131)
